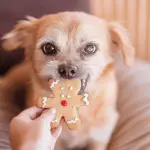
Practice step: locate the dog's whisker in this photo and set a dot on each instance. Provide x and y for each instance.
(39, 74)
(36, 76)
(51, 63)
(29, 81)
(91, 64)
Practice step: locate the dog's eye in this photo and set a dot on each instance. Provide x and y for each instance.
(49, 49)
(90, 49)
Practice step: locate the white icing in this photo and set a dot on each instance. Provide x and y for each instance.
(72, 121)
(68, 96)
(85, 98)
(62, 95)
(61, 88)
(70, 87)
(53, 84)
(55, 121)
(44, 101)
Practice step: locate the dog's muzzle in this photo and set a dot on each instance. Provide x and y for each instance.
(70, 71)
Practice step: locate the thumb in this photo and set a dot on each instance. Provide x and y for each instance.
(56, 132)
(48, 115)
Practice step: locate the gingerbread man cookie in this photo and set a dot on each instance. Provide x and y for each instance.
(66, 101)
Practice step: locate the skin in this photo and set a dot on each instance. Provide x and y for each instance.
(32, 129)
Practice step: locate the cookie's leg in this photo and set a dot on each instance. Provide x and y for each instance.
(72, 119)
(55, 123)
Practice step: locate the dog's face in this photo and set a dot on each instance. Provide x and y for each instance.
(70, 45)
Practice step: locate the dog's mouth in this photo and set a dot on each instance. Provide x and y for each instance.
(83, 80)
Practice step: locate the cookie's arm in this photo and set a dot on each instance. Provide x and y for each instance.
(44, 102)
(56, 87)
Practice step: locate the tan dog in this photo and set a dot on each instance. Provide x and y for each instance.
(73, 45)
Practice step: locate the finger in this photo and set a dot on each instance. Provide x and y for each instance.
(56, 132)
(31, 113)
(48, 115)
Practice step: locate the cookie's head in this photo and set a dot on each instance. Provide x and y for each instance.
(70, 45)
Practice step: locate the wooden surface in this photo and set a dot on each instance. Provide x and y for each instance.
(133, 14)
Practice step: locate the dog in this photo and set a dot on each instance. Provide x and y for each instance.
(72, 45)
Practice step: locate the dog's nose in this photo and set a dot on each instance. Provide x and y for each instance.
(68, 71)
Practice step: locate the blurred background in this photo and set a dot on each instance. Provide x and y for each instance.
(133, 14)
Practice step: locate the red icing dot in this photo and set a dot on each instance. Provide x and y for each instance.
(64, 103)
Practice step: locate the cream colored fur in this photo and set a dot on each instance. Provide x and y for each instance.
(71, 31)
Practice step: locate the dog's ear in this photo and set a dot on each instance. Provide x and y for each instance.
(20, 36)
(121, 39)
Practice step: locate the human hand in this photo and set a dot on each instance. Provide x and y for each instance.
(31, 130)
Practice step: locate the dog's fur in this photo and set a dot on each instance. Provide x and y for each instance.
(71, 31)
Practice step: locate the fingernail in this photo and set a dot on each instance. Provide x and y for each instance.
(53, 111)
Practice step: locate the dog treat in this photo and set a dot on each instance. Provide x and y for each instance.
(66, 101)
